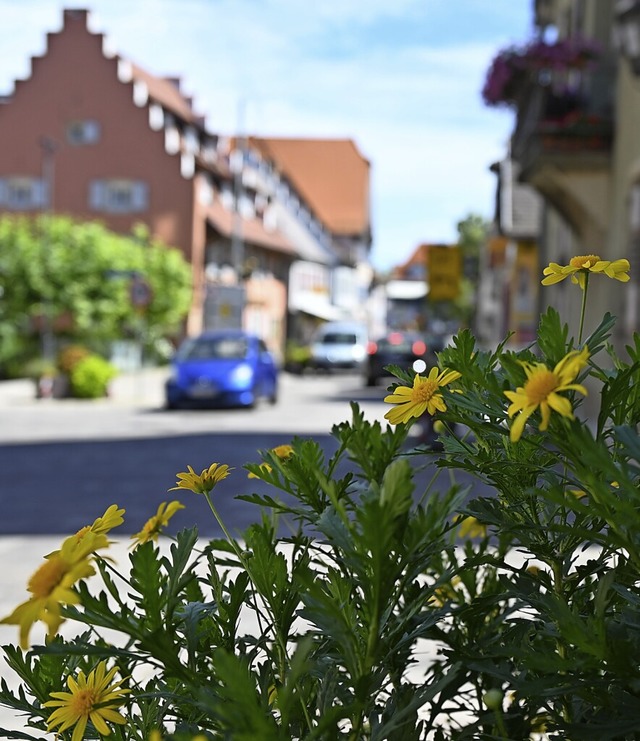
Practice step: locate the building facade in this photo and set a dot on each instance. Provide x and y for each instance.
(93, 136)
(576, 142)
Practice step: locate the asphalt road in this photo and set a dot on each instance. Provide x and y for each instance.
(65, 461)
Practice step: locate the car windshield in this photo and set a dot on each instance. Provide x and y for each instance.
(214, 348)
(339, 338)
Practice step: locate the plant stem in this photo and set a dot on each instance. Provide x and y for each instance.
(583, 308)
(500, 724)
(232, 542)
(558, 588)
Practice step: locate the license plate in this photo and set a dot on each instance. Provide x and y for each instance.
(203, 391)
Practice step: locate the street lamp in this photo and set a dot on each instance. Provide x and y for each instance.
(626, 31)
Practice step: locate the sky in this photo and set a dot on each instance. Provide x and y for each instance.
(402, 78)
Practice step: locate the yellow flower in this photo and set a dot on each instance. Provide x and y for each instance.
(102, 525)
(51, 585)
(204, 482)
(542, 388)
(153, 526)
(282, 451)
(445, 592)
(93, 697)
(579, 266)
(470, 527)
(577, 493)
(422, 397)
(263, 467)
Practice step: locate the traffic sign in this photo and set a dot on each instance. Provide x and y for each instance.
(445, 271)
(140, 293)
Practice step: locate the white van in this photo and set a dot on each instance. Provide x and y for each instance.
(339, 345)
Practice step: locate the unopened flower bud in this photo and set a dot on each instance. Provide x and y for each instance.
(493, 699)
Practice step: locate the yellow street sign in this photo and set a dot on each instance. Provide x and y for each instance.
(445, 270)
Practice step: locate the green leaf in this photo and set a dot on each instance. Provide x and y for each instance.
(596, 341)
(552, 337)
(396, 492)
(238, 707)
(148, 583)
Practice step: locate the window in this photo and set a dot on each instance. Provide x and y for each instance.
(22, 193)
(119, 196)
(83, 132)
(225, 348)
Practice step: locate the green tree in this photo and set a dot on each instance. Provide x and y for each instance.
(472, 235)
(74, 277)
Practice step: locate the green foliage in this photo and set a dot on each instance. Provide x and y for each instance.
(90, 377)
(297, 357)
(385, 613)
(56, 270)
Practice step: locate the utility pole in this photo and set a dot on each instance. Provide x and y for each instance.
(237, 293)
(237, 163)
(48, 147)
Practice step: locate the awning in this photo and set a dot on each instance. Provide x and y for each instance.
(407, 289)
(316, 306)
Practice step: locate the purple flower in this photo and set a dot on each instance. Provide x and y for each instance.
(535, 60)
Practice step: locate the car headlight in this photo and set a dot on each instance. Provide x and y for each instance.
(241, 375)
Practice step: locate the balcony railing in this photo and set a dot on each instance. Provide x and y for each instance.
(569, 125)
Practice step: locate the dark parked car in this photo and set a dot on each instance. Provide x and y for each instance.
(222, 368)
(398, 348)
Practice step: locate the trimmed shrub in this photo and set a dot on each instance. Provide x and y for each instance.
(90, 377)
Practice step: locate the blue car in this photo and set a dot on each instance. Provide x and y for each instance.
(224, 368)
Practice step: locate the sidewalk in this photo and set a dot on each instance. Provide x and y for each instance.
(141, 387)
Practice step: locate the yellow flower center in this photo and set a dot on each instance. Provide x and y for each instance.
(47, 577)
(539, 386)
(83, 702)
(423, 392)
(581, 260)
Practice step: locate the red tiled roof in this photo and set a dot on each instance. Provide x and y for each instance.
(253, 230)
(417, 257)
(329, 174)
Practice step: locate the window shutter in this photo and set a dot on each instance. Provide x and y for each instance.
(139, 196)
(96, 194)
(40, 196)
(92, 131)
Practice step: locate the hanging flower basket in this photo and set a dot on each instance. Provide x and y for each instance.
(537, 63)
